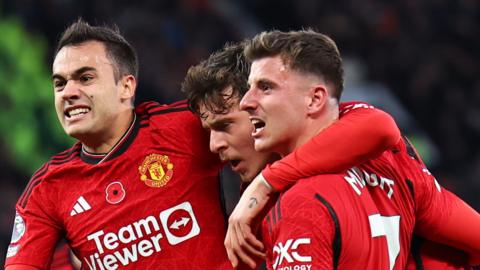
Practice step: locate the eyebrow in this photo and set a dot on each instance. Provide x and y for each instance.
(75, 74)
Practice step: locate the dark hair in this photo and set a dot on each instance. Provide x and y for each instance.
(303, 50)
(205, 83)
(119, 51)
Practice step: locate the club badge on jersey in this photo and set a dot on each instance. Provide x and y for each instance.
(156, 170)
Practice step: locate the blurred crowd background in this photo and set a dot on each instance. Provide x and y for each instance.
(417, 59)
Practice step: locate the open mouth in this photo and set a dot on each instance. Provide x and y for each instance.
(76, 111)
(258, 124)
(234, 163)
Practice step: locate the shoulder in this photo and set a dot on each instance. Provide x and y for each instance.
(176, 125)
(153, 110)
(176, 116)
(309, 186)
(346, 107)
(307, 192)
(45, 172)
(58, 161)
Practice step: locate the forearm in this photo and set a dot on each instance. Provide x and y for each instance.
(359, 135)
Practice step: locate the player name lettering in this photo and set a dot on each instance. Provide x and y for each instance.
(358, 179)
(148, 226)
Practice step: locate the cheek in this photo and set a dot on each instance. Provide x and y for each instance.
(58, 104)
(244, 139)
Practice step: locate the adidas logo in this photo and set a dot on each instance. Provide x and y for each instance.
(80, 206)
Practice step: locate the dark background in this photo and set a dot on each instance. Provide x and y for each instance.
(417, 59)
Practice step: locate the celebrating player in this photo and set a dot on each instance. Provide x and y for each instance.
(139, 190)
(295, 84)
(214, 88)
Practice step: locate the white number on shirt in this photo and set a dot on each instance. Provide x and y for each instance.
(390, 228)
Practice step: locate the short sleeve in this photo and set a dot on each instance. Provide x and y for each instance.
(35, 230)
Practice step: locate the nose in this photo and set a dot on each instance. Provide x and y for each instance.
(71, 90)
(248, 102)
(218, 144)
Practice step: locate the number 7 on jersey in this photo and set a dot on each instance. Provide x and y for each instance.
(390, 228)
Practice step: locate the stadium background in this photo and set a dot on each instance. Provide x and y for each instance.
(417, 59)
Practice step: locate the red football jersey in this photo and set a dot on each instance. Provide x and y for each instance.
(321, 223)
(152, 202)
(305, 161)
(428, 255)
(364, 217)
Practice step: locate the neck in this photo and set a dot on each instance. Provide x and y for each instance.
(313, 126)
(105, 142)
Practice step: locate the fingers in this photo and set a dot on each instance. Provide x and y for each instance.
(230, 251)
(241, 242)
(239, 250)
(248, 242)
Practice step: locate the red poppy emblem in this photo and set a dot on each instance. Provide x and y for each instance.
(115, 192)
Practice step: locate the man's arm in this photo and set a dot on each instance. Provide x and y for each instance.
(35, 230)
(361, 133)
(440, 215)
(459, 228)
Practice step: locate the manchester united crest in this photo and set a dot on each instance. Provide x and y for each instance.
(156, 170)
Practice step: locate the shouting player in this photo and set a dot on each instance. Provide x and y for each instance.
(139, 190)
(367, 213)
(214, 88)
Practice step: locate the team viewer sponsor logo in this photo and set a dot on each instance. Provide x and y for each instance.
(156, 170)
(143, 238)
(287, 256)
(179, 223)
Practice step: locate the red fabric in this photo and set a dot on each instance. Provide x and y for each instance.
(436, 256)
(361, 131)
(169, 213)
(300, 229)
(460, 230)
(61, 258)
(377, 205)
(402, 186)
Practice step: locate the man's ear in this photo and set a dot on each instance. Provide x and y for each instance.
(128, 87)
(317, 99)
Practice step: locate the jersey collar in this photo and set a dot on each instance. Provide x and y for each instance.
(120, 147)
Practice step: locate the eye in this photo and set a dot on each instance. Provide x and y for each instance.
(221, 126)
(86, 78)
(58, 84)
(264, 86)
(226, 126)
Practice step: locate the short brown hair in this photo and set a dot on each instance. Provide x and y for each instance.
(303, 50)
(205, 83)
(118, 49)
